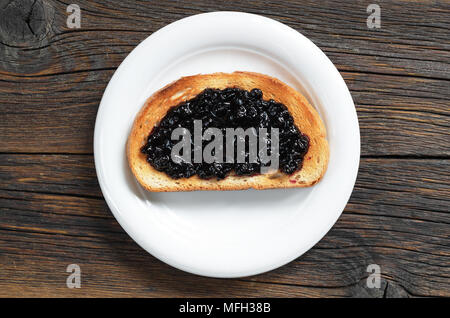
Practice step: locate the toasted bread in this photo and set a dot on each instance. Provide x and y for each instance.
(305, 117)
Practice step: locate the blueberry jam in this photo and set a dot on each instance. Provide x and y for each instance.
(227, 108)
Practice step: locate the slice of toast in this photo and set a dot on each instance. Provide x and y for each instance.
(305, 117)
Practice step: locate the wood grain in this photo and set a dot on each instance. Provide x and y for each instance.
(408, 43)
(397, 115)
(74, 67)
(52, 211)
(397, 217)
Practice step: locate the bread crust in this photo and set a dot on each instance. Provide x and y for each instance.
(155, 108)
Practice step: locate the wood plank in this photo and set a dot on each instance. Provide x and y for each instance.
(53, 213)
(412, 41)
(60, 174)
(108, 272)
(401, 115)
(53, 77)
(75, 175)
(397, 115)
(397, 217)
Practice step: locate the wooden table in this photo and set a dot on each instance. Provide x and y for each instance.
(52, 211)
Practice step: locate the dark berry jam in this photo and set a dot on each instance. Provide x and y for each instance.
(227, 108)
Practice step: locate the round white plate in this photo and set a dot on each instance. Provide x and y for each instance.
(235, 233)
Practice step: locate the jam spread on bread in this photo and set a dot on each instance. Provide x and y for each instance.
(222, 109)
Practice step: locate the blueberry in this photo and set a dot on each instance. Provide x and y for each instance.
(252, 112)
(256, 93)
(289, 167)
(241, 112)
(227, 108)
(238, 102)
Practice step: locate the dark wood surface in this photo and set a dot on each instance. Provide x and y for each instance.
(52, 210)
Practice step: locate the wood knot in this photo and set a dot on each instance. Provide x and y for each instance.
(24, 23)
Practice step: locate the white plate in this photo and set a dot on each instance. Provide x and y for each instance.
(236, 233)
